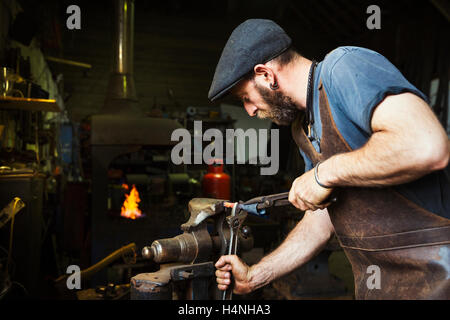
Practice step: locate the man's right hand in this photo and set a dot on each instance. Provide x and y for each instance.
(240, 273)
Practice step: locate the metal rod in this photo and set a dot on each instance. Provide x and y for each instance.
(69, 62)
(228, 294)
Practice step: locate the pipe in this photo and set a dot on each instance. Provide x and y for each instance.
(121, 93)
(87, 273)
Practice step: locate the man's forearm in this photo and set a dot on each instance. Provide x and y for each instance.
(380, 162)
(407, 143)
(307, 239)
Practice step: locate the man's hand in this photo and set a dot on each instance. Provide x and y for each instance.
(240, 274)
(307, 239)
(306, 193)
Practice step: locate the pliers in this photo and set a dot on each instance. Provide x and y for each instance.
(258, 205)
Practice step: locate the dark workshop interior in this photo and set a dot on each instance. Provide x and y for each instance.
(86, 120)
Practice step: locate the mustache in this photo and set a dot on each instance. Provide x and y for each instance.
(262, 114)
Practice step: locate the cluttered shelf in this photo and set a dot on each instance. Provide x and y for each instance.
(30, 104)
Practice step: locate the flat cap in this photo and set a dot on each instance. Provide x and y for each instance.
(252, 42)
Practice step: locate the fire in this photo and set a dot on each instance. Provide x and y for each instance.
(130, 208)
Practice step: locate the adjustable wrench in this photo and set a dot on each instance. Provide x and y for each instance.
(258, 205)
(235, 221)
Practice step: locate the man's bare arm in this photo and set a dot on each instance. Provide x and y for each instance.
(303, 242)
(407, 142)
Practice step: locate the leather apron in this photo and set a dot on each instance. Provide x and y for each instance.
(379, 226)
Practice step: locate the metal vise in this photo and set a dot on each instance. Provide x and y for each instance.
(188, 259)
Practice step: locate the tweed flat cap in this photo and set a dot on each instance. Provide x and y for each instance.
(252, 42)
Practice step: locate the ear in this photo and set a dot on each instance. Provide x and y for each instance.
(262, 71)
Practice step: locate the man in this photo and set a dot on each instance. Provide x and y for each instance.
(372, 142)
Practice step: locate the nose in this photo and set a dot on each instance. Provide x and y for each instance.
(251, 109)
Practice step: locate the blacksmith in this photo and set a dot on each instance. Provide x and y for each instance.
(370, 139)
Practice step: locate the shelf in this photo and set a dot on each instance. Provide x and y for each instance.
(29, 104)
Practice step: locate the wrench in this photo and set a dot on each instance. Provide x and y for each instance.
(235, 221)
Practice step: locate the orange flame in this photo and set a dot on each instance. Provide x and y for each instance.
(130, 208)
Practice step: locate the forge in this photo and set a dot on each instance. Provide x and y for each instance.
(121, 129)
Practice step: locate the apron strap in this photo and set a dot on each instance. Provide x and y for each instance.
(302, 141)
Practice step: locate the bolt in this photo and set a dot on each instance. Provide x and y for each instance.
(246, 232)
(147, 253)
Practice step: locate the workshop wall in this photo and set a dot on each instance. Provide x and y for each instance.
(8, 10)
(174, 56)
(4, 22)
(417, 44)
(176, 51)
(170, 54)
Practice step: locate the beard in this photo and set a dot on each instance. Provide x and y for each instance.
(283, 110)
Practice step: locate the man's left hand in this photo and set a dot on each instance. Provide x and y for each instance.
(306, 193)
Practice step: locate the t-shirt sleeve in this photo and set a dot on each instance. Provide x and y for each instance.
(360, 79)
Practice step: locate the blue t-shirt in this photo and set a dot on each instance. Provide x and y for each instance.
(356, 80)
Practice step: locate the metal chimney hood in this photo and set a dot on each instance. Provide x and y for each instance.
(120, 121)
(121, 92)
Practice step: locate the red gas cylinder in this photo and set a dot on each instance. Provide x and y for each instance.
(216, 183)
